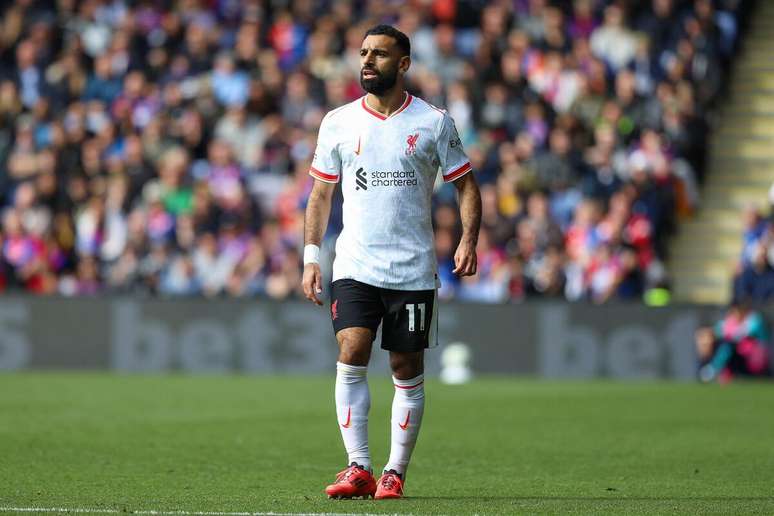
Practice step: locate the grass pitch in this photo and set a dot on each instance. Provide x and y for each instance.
(495, 446)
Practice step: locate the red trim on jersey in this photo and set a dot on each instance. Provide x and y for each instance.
(380, 116)
(375, 113)
(409, 98)
(409, 387)
(322, 175)
(454, 174)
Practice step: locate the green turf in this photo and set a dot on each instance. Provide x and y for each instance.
(495, 446)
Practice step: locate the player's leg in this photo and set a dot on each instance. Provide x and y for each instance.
(353, 402)
(408, 407)
(353, 399)
(355, 313)
(406, 334)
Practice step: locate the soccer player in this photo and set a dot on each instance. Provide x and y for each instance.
(386, 149)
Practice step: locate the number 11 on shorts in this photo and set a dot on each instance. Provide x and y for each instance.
(412, 316)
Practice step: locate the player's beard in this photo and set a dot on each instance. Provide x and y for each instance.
(382, 83)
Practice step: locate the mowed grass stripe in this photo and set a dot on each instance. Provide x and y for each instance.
(270, 444)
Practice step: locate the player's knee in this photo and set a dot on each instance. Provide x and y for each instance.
(406, 365)
(354, 347)
(353, 357)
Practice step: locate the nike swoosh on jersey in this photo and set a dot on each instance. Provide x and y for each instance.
(357, 151)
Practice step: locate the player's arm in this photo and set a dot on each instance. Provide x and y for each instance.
(318, 209)
(455, 167)
(465, 260)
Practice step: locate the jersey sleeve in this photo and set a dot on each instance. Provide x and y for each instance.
(326, 163)
(452, 159)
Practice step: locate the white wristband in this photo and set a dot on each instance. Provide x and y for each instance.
(311, 254)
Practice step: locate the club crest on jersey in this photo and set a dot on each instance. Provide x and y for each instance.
(412, 144)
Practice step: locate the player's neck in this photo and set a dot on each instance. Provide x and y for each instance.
(388, 103)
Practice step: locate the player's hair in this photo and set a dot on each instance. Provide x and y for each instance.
(388, 30)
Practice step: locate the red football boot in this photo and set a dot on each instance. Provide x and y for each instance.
(390, 485)
(353, 482)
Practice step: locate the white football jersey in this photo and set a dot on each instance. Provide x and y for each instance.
(387, 166)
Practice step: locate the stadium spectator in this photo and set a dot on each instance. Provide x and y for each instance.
(737, 345)
(163, 148)
(757, 279)
(613, 41)
(754, 278)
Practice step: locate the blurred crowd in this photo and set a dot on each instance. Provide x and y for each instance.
(163, 147)
(754, 279)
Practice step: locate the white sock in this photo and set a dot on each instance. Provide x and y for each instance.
(352, 403)
(408, 405)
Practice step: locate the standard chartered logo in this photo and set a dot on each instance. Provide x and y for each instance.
(385, 178)
(361, 180)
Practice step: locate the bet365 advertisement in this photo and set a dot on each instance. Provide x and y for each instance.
(258, 336)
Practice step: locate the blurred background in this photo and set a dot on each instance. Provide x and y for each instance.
(154, 163)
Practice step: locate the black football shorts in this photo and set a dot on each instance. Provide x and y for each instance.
(408, 317)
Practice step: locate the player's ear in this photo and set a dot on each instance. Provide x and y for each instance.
(404, 64)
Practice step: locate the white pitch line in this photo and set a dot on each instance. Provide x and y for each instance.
(58, 509)
(81, 510)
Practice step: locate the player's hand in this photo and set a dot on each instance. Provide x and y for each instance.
(312, 283)
(465, 260)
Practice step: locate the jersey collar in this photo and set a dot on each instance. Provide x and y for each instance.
(380, 116)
